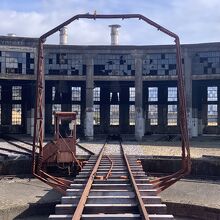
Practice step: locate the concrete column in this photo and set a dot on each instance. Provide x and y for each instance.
(139, 119)
(88, 122)
(192, 122)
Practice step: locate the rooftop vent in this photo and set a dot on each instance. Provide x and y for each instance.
(63, 36)
(11, 35)
(114, 33)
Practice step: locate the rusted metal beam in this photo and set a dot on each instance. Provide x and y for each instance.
(109, 16)
(85, 149)
(110, 168)
(142, 209)
(38, 124)
(85, 194)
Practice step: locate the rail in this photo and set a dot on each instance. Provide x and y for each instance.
(84, 196)
(141, 206)
(82, 202)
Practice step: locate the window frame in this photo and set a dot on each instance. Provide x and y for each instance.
(78, 110)
(78, 93)
(114, 121)
(153, 121)
(18, 119)
(152, 91)
(131, 115)
(174, 113)
(96, 114)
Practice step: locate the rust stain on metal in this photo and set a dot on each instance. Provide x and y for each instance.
(110, 169)
(160, 183)
(142, 209)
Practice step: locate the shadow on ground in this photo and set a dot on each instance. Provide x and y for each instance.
(42, 208)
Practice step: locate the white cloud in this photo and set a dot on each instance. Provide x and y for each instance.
(194, 21)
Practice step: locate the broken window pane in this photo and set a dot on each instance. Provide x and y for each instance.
(114, 97)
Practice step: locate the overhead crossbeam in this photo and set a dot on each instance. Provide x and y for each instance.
(161, 183)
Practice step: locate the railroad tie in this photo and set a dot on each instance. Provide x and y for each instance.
(113, 198)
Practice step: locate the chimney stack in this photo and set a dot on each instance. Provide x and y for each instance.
(63, 36)
(114, 33)
(11, 35)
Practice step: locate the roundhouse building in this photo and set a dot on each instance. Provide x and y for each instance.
(119, 89)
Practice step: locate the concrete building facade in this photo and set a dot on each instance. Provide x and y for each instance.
(114, 89)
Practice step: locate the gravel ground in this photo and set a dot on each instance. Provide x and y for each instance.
(94, 147)
(5, 144)
(156, 148)
(199, 147)
(174, 149)
(111, 148)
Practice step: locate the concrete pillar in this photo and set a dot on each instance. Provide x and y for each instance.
(192, 122)
(88, 122)
(139, 119)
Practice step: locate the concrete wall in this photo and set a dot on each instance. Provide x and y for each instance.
(200, 62)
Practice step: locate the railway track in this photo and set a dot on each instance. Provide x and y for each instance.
(14, 147)
(111, 187)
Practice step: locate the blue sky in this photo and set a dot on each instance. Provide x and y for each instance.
(194, 21)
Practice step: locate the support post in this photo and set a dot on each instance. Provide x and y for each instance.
(139, 119)
(89, 131)
(191, 121)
